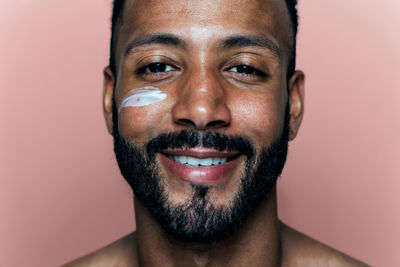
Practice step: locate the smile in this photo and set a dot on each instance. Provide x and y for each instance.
(196, 162)
(200, 166)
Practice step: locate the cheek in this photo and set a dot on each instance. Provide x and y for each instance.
(260, 115)
(139, 111)
(138, 123)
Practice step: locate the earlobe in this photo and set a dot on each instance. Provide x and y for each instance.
(108, 93)
(296, 100)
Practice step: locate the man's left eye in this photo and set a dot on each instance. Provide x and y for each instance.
(246, 70)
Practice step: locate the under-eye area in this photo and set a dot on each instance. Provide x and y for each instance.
(143, 96)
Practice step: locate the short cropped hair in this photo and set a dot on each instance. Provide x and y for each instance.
(118, 11)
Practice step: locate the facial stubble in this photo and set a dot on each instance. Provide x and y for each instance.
(199, 220)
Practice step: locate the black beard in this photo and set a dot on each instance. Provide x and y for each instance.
(199, 220)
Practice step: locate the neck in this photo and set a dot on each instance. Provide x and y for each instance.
(256, 243)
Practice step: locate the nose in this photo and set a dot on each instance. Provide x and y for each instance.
(201, 103)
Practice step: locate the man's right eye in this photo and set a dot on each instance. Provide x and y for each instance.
(156, 67)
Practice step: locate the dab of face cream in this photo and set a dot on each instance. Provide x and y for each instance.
(141, 97)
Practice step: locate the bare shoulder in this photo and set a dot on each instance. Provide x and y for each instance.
(121, 253)
(301, 250)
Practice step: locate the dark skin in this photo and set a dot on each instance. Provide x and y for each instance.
(208, 88)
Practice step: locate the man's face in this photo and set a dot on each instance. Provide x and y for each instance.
(206, 155)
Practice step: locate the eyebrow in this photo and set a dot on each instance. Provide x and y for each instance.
(149, 39)
(236, 41)
(239, 41)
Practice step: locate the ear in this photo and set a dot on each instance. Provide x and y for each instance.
(296, 101)
(108, 93)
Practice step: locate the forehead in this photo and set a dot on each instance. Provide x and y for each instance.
(207, 20)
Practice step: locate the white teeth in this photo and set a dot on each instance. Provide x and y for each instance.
(192, 161)
(218, 160)
(182, 159)
(206, 162)
(198, 162)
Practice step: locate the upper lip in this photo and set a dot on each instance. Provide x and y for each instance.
(200, 153)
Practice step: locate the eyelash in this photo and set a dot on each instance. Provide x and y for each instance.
(256, 72)
(145, 70)
(142, 70)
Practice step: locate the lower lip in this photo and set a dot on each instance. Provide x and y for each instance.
(200, 174)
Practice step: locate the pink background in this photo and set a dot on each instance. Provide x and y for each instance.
(61, 194)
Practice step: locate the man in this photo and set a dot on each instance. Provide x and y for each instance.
(202, 98)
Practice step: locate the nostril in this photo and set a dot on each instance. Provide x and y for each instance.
(186, 122)
(216, 124)
(201, 113)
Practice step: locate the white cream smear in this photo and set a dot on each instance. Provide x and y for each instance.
(143, 96)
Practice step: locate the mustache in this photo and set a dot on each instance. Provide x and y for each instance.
(187, 139)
